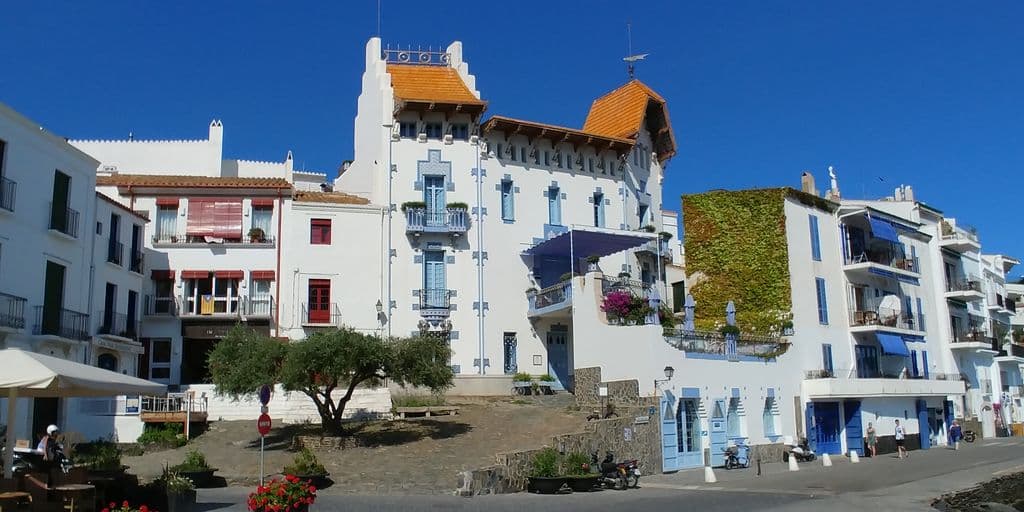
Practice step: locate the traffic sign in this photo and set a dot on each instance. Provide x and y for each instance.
(263, 424)
(265, 394)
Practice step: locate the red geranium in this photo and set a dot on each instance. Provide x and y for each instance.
(291, 493)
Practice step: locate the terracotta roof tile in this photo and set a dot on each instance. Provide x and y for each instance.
(495, 122)
(440, 84)
(178, 181)
(116, 203)
(622, 112)
(328, 197)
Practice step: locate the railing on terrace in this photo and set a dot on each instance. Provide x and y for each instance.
(449, 220)
(960, 232)
(713, 342)
(870, 373)
(8, 192)
(893, 259)
(637, 288)
(316, 316)
(64, 220)
(195, 240)
(222, 305)
(972, 334)
(160, 306)
(61, 322)
(115, 251)
(1014, 350)
(970, 284)
(116, 324)
(136, 261)
(12, 311)
(258, 306)
(559, 293)
(175, 402)
(885, 318)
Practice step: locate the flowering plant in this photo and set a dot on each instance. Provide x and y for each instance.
(126, 507)
(282, 495)
(617, 303)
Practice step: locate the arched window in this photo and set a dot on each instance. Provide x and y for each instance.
(107, 362)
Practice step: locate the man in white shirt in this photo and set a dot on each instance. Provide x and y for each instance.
(900, 436)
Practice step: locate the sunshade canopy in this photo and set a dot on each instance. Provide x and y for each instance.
(39, 375)
(892, 344)
(583, 242)
(883, 229)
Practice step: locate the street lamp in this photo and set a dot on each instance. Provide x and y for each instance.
(380, 307)
(669, 372)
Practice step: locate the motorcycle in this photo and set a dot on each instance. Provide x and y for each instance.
(631, 468)
(27, 460)
(737, 456)
(612, 475)
(802, 452)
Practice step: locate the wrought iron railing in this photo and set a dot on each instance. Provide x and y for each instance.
(318, 315)
(135, 264)
(186, 239)
(64, 220)
(448, 220)
(971, 284)
(559, 293)
(160, 306)
(872, 373)
(428, 57)
(959, 232)
(116, 324)
(61, 322)
(637, 288)
(889, 258)
(883, 317)
(115, 251)
(12, 311)
(8, 193)
(175, 402)
(714, 342)
(259, 306)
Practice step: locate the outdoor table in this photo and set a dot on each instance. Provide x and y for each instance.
(77, 497)
(11, 500)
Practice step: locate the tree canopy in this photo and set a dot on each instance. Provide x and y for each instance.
(328, 361)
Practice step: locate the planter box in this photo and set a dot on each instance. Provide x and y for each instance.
(541, 485)
(184, 502)
(201, 479)
(318, 481)
(583, 483)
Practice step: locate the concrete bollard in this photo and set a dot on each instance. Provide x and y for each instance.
(826, 460)
(709, 475)
(792, 464)
(854, 458)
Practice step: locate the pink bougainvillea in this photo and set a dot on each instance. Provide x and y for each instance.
(617, 303)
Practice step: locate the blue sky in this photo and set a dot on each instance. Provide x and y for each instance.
(927, 93)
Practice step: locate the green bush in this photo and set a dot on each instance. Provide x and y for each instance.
(167, 434)
(576, 464)
(729, 329)
(458, 204)
(194, 462)
(99, 455)
(305, 464)
(409, 400)
(522, 377)
(173, 483)
(544, 464)
(413, 204)
(546, 378)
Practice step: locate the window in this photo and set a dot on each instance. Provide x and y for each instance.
(536, 157)
(511, 365)
(261, 216)
(259, 293)
(636, 156)
(460, 131)
(512, 153)
(598, 209)
(499, 147)
(319, 306)
(166, 220)
(433, 130)
(522, 154)
(920, 315)
(643, 186)
(115, 248)
(99, 228)
(915, 372)
(107, 362)
(507, 201)
(132, 313)
(435, 288)
(547, 158)
(568, 160)
(822, 301)
(558, 160)
(407, 129)
(924, 363)
(771, 410)
(815, 241)
(733, 420)
(163, 293)
(826, 360)
(62, 217)
(590, 165)
(554, 207)
(320, 231)
(642, 213)
(867, 362)
(159, 359)
(214, 218)
(434, 198)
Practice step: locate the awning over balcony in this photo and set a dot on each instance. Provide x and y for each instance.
(581, 242)
(883, 229)
(892, 344)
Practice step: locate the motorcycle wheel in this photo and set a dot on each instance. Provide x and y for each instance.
(621, 483)
(729, 464)
(633, 481)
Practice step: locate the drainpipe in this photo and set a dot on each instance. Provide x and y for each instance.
(92, 271)
(391, 178)
(277, 273)
(480, 256)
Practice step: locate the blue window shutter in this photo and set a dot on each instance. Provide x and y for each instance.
(554, 207)
(920, 315)
(507, 201)
(924, 362)
(914, 372)
(822, 301)
(826, 357)
(815, 240)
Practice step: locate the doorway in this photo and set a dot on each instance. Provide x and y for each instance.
(718, 433)
(558, 355)
(45, 412)
(854, 427)
(827, 427)
(688, 430)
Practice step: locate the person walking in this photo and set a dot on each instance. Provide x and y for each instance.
(956, 433)
(872, 440)
(900, 435)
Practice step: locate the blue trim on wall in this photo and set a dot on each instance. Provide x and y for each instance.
(735, 392)
(771, 392)
(690, 393)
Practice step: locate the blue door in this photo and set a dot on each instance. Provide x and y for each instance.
(922, 424)
(433, 196)
(691, 452)
(434, 279)
(558, 357)
(810, 427)
(718, 433)
(669, 434)
(854, 430)
(827, 427)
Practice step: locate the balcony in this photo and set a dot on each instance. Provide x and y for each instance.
(999, 304)
(12, 312)
(745, 346)
(115, 251)
(846, 384)
(117, 326)
(258, 307)
(435, 303)
(64, 221)
(210, 306)
(875, 319)
(160, 306)
(452, 221)
(959, 238)
(62, 323)
(135, 263)
(549, 301)
(881, 263)
(325, 315)
(655, 248)
(973, 338)
(965, 290)
(8, 193)
(186, 240)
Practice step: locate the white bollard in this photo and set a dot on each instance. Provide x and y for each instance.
(709, 475)
(792, 464)
(826, 460)
(854, 458)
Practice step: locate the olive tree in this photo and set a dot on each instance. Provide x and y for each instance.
(328, 366)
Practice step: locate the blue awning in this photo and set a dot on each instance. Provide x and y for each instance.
(883, 229)
(590, 242)
(892, 344)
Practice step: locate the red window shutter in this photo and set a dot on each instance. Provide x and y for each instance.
(320, 231)
(228, 274)
(162, 275)
(167, 201)
(195, 274)
(228, 215)
(263, 201)
(200, 217)
(262, 275)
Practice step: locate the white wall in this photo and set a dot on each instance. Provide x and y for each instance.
(168, 157)
(293, 407)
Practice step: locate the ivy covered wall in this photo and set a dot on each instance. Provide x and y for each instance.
(736, 250)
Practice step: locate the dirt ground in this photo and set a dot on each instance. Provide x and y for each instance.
(1007, 490)
(414, 456)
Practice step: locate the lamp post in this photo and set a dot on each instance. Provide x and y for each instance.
(669, 372)
(382, 318)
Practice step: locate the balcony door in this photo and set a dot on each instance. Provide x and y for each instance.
(433, 196)
(53, 298)
(59, 206)
(867, 362)
(434, 279)
(319, 301)
(109, 304)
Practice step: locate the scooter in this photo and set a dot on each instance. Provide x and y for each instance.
(737, 456)
(969, 436)
(802, 452)
(612, 475)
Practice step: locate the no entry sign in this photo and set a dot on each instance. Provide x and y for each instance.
(263, 424)
(265, 394)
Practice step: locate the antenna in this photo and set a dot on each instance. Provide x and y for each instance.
(378, 17)
(630, 59)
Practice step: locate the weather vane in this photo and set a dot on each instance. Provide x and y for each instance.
(631, 59)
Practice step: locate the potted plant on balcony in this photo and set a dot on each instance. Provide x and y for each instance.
(565, 277)
(256, 235)
(592, 263)
(458, 205)
(415, 205)
(649, 228)
(544, 478)
(665, 236)
(306, 467)
(195, 468)
(577, 468)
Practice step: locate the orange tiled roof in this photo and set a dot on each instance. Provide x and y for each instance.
(622, 112)
(496, 122)
(440, 84)
(177, 181)
(114, 202)
(328, 197)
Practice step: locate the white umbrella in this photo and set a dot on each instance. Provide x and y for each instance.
(28, 374)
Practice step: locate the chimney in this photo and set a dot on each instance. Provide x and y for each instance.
(807, 183)
(908, 193)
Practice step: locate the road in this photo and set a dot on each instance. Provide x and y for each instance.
(885, 483)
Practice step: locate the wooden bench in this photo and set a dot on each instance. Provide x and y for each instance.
(427, 412)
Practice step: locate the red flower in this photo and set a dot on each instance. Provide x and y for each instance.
(311, 488)
(143, 509)
(105, 510)
(125, 504)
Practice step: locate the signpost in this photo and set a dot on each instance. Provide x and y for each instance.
(264, 423)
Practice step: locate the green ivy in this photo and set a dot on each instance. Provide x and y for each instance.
(737, 241)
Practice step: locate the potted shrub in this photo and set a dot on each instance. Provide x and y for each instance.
(650, 228)
(787, 327)
(565, 277)
(290, 493)
(306, 467)
(125, 506)
(522, 382)
(413, 205)
(665, 236)
(256, 235)
(458, 205)
(180, 491)
(101, 457)
(577, 468)
(592, 263)
(543, 476)
(616, 305)
(195, 468)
